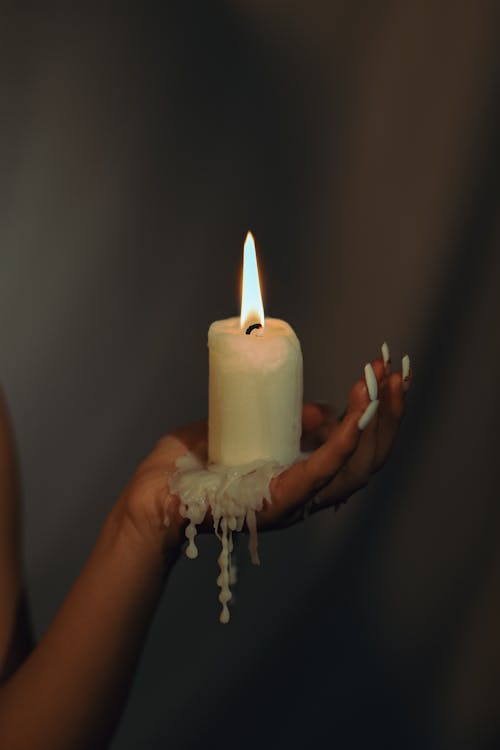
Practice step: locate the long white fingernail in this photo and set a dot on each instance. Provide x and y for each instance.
(386, 355)
(405, 367)
(371, 382)
(405, 372)
(368, 414)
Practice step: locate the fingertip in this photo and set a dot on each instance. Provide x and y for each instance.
(311, 416)
(395, 384)
(386, 356)
(405, 367)
(379, 368)
(358, 397)
(406, 372)
(316, 414)
(328, 412)
(395, 387)
(394, 381)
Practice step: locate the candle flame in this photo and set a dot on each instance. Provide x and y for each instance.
(252, 309)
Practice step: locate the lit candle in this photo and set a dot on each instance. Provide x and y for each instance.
(255, 407)
(255, 381)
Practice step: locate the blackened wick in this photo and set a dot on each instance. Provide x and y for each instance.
(252, 328)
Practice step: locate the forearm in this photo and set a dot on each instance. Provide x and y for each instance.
(70, 691)
(15, 630)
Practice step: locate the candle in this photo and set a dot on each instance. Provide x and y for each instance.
(255, 381)
(255, 407)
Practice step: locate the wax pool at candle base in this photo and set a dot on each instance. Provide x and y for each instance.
(233, 496)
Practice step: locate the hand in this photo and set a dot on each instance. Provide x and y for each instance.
(343, 461)
(345, 457)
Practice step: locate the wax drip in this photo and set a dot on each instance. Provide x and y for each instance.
(223, 579)
(233, 495)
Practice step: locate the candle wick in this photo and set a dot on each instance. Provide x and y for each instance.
(253, 328)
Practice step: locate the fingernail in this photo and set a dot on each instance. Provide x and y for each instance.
(386, 355)
(371, 382)
(405, 372)
(368, 415)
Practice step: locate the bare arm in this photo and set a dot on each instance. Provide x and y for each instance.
(69, 693)
(15, 630)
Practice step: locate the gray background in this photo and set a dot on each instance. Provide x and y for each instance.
(359, 141)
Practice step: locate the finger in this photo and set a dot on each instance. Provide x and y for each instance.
(360, 393)
(356, 471)
(406, 372)
(386, 357)
(317, 423)
(353, 476)
(329, 458)
(374, 446)
(391, 413)
(301, 480)
(316, 414)
(358, 397)
(380, 370)
(343, 441)
(393, 410)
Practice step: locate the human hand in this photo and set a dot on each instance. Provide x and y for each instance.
(343, 460)
(145, 498)
(347, 453)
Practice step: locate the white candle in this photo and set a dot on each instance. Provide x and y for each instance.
(255, 382)
(255, 408)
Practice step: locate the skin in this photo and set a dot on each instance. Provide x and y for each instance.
(68, 692)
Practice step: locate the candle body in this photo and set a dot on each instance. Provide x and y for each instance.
(255, 393)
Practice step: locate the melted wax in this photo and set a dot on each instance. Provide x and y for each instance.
(233, 495)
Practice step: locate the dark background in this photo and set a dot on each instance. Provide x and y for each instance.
(360, 143)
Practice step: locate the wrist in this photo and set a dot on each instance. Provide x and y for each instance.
(146, 537)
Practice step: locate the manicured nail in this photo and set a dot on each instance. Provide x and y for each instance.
(371, 382)
(405, 372)
(386, 355)
(368, 415)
